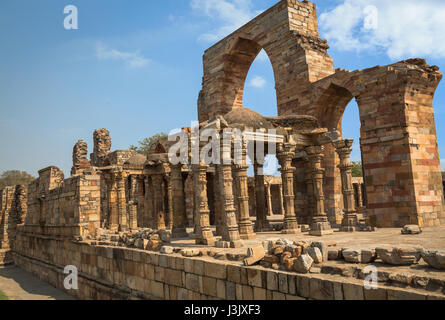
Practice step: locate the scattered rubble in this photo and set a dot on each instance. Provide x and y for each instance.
(411, 229)
(399, 256)
(359, 254)
(434, 257)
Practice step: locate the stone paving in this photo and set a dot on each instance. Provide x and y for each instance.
(18, 284)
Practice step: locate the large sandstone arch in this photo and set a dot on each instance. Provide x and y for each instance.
(288, 33)
(398, 133)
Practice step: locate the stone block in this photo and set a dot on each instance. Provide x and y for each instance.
(254, 255)
(247, 293)
(283, 285)
(272, 280)
(259, 294)
(352, 291)
(215, 270)
(209, 286)
(233, 273)
(254, 278)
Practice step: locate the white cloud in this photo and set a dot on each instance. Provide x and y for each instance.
(231, 14)
(132, 59)
(442, 164)
(258, 82)
(402, 28)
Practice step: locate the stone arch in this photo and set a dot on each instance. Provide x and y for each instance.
(329, 111)
(288, 33)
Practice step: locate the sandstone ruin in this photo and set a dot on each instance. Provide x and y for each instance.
(141, 227)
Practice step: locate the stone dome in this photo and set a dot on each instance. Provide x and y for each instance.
(136, 160)
(244, 118)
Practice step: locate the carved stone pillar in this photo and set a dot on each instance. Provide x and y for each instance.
(113, 212)
(283, 212)
(179, 212)
(350, 221)
(203, 232)
(230, 230)
(219, 211)
(240, 175)
(310, 205)
(320, 224)
(169, 181)
(269, 200)
(159, 203)
(149, 203)
(285, 155)
(132, 207)
(262, 224)
(121, 201)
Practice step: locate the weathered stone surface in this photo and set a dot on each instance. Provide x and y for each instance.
(399, 256)
(359, 254)
(165, 235)
(167, 250)
(411, 229)
(191, 252)
(323, 246)
(303, 263)
(254, 255)
(334, 254)
(434, 257)
(315, 254)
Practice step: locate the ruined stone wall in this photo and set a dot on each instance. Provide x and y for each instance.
(63, 207)
(7, 221)
(13, 209)
(123, 273)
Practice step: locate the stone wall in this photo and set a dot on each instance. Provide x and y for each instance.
(122, 273)
(63, 207)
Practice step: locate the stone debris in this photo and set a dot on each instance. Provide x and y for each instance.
(165, 235)
(324, 248)
(314, 253)
(254, 255)
(411, 229)
(334, 254)
(399, 256)
(359, 254)
(434, 257)
(303, 263)
(191, 253)
(167, 250)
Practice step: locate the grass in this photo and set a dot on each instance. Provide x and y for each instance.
(3, 296)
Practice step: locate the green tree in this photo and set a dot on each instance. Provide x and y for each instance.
(357, 170)
(146, 144)
(15, 177)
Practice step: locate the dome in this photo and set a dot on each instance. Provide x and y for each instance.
(136, 160)
(244, 118)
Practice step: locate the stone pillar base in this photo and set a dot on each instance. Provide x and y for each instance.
(320, 227)
(207, 240)
(179, 233)
(291, 227)
(350, 223)
(246, 231)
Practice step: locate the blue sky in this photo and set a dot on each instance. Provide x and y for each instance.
(135, 67)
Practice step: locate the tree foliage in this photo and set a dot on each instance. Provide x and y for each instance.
(357, 170)
(15, 177)
(146, 144)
